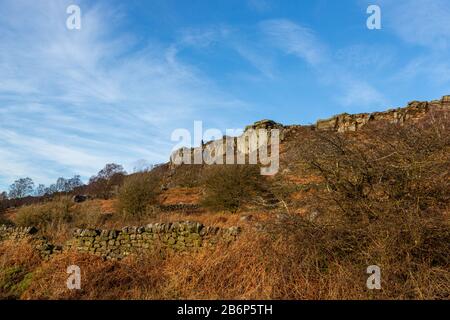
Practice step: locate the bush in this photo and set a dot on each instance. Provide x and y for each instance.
(229, 187)
(56, 218)
(5, 221)
(45, 216)
(137, 195)
(385, 203)
(384, 168)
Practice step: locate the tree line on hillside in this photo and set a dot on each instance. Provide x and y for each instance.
(100, 185)
(25, 187)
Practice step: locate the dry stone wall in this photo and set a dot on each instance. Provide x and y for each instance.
(176, 236)
(179, 207)
(41, 244)
(15, 233)
(117, 244)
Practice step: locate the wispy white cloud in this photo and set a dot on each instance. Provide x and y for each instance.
(302, 42)
(295, 39)
(203, 37)
(365, 57)
(434, 69)
(261, 45)
(70, 101)
(421, 22)
(261, 6)
(359, 93)
(235, 39)
(424, 26)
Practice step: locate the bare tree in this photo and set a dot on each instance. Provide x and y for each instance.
(142, 166)
(21, 188)
(61, 185)
(109, 171)
(51, 189)
(40, 190)
(3, 196)
(107, 180)
(74, 182)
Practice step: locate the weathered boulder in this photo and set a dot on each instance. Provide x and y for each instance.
(79, 198)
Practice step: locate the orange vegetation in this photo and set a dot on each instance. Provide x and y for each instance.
(181, 196)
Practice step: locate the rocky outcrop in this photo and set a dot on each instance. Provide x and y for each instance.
(264, 124)
(79, 198)
(252, 139)
(339, 123)
(353, 122)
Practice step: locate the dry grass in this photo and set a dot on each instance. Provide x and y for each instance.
(181, 195)
(222, 273)
(18, 260)
(127, 279)
(259, 265)
(217, 219)
(56, 219)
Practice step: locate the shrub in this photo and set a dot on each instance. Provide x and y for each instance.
(229, 187)
(5, 221)
(88, 214)
(385, 203)
(137, 195)
(56, 218)
(45, 216)
(384, 168)
(106, 182)
(187, 175)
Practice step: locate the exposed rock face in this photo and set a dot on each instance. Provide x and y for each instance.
(353, 122)
(264, 124)
(340, 123)
(445, 101)
(249, 142)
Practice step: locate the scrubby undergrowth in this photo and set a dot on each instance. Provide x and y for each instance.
(378, 197)
(257, 266)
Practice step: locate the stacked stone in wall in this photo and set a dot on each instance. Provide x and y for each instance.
(117, 244)
(41, 244)
(179, 207)
(16, 233)
(178, 236)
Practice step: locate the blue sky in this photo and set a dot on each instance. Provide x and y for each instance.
(74, 100)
